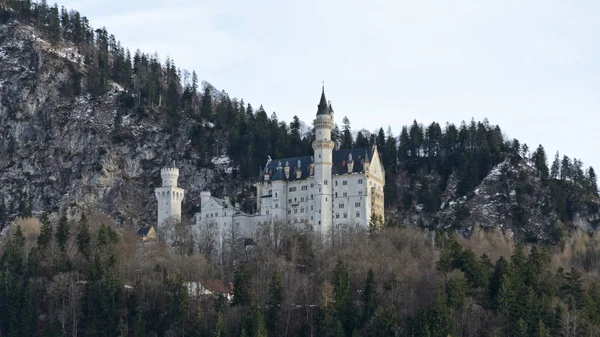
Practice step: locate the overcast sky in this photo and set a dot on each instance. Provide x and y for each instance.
(533, 67)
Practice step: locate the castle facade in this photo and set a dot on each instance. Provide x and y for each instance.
(327, 191)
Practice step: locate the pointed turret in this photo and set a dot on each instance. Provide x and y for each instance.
(324, 107)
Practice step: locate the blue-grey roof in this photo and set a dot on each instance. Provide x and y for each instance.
(359, 156)
(340, 162)
(279, 174)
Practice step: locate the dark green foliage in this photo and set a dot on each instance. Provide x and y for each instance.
(345, 309)
(274, 303)
(241, 292)
(84, 237)
(46, 231)
(63, 231)
(346, 141)
(369, 297)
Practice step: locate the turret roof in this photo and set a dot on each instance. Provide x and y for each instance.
(324, 107)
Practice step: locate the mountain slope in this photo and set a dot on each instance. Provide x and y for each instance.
(87, 127)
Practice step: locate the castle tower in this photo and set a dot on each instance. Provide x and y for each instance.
(169, 196)
(323, 162)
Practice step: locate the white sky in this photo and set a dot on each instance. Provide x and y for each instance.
(533, 67)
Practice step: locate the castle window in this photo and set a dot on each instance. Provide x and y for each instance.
(325, 198)
(319, 222)
(319, 156)
(358, 214)
(276, 205)
(312, 185)
(337, 215)
(295, 211)
(359, 192)
(259, 223)
(295, 199)
(336, 194)
(345, 215)
(275, 194)
(289, 211)
(311, 207)
(325, 181)
(360, 181)
(357, 204)
(302, 210)
(305, 188)
(345, 182)
(237, 224)
(290, 201)
(311, 218)
(336, 183)
(345, 194)
(311, 197)
(341, 206)
(270, 192)
(302, 199)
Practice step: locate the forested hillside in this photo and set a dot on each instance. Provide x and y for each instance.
(108, 119)
(87, 125)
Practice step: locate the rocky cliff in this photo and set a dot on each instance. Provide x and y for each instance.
(56, 149)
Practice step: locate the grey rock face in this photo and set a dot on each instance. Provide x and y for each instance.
(56, 149)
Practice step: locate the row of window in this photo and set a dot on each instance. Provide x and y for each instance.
(303, 188)
(337, 215)
(345, 182)
(214, 215)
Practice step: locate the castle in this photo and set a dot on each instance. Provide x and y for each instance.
(331, 190)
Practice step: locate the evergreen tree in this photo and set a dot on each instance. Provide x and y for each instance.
(539, 161)
(347, 141)
(220, 329)
(361, 140)
(206, 103)
(592, 179)
(343, 298)
(369, 303)
(274, 303)
(555, 169)
(241, 291)
(46, 231)
(565, 168)
(84, 237)
(63, 231)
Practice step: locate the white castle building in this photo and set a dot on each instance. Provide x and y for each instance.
(326, 191)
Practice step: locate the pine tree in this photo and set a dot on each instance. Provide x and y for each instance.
(555, 169)
(45, 231)
(361, 140)
(63, 231)
(343, 298)
(592, 181)
(539, 161)
(369, 303)
(565, 168)
(206, 103)
(241, 292)
(347, 141)
(220, 329)
(84, 237)
(274, 303)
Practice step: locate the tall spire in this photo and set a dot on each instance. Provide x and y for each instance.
(323, 105)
